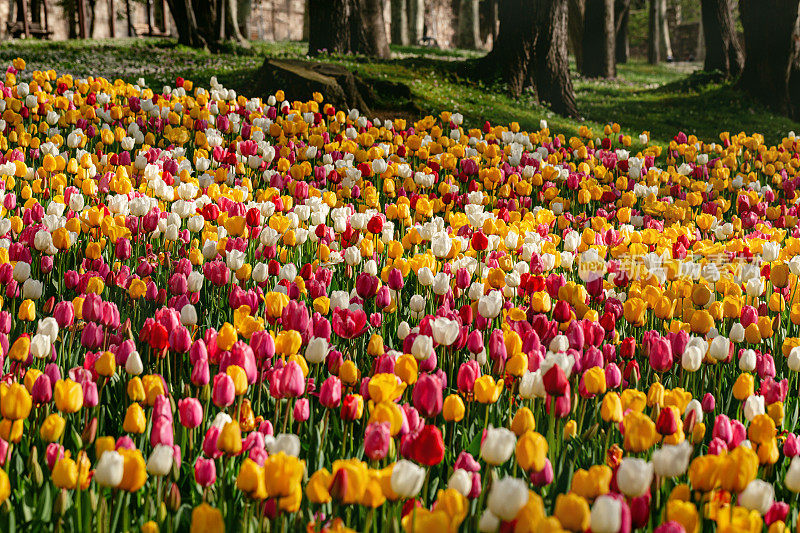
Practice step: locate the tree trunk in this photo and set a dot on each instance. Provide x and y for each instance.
(399, 22)
(512, 51)
(551, 68)
(368, 29)
(622, 10)
(243, 12)
(416, 20)
(723, 50)
(232, 23)
(599, 58)
(771, 71)
(531, 51)
(359, 27)
(323, 35)
(186, 23)
(654, 34)
(576, 9)
(665, 30)
(468, 25)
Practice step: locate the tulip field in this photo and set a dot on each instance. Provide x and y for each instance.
(223, 313)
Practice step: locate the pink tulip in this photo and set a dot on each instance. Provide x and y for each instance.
(301, 410)
(330, 394)
(661, 355)
(427, 396)
(467, 374)
(223, 392)
(205, 472)
(292, 381)
(377, 438)
(190, 412)
(200, 373)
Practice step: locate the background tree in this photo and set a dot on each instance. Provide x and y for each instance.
(468, 35)
(531, 52)
(722, 48)
(599, 37)
(207, 23)
(653, 32)
(771, 71)
(399, 22)
(622, 10)
(416, 20)
(575, 9)
(347, 26)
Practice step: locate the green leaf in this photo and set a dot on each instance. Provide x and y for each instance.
(45, 508)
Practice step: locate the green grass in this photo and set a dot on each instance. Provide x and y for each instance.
(662, 99)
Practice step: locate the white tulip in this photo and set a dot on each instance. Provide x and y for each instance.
(461, 480)
(634, 476)
(719, 348)
(489, 306)
(422, 347)
(160, 461)
(747, 361)
(109, 469)
(407, 478)
(753, 406)
(672, 460)
(759, 495)
(445, 331)
(498, 445)
(606, 516)
(488, 523)
(317, 350)
(188, 315)
(134, 365)
(507, 496)
(792, 478)
(737, 332)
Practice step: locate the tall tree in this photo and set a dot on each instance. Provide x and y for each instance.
(599, 40)
(416, 20)
(189, 32)
(399, 22)
(575, 29)
(771, 71)
(531, 51)
(206, 23)
(622, 10)
(343, 26)
(468, 24)
(723, 50)
(654, 33)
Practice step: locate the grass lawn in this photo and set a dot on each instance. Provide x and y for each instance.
(662, 99)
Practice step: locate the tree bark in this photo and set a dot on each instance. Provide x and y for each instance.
(468, 25)
(576, 9)
(232, 23)
(416, 21)
(328, 26)
(662, 6)
(622, 10)
(243, 11)
(599, 57)
(368, 29)
(399, 22)
(345, 26)
(654, 33)
(531, 51)
(771, 71)
(553, 81)
(189, 33)
(723, 50)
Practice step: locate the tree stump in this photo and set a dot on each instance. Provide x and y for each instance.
(301, 79)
